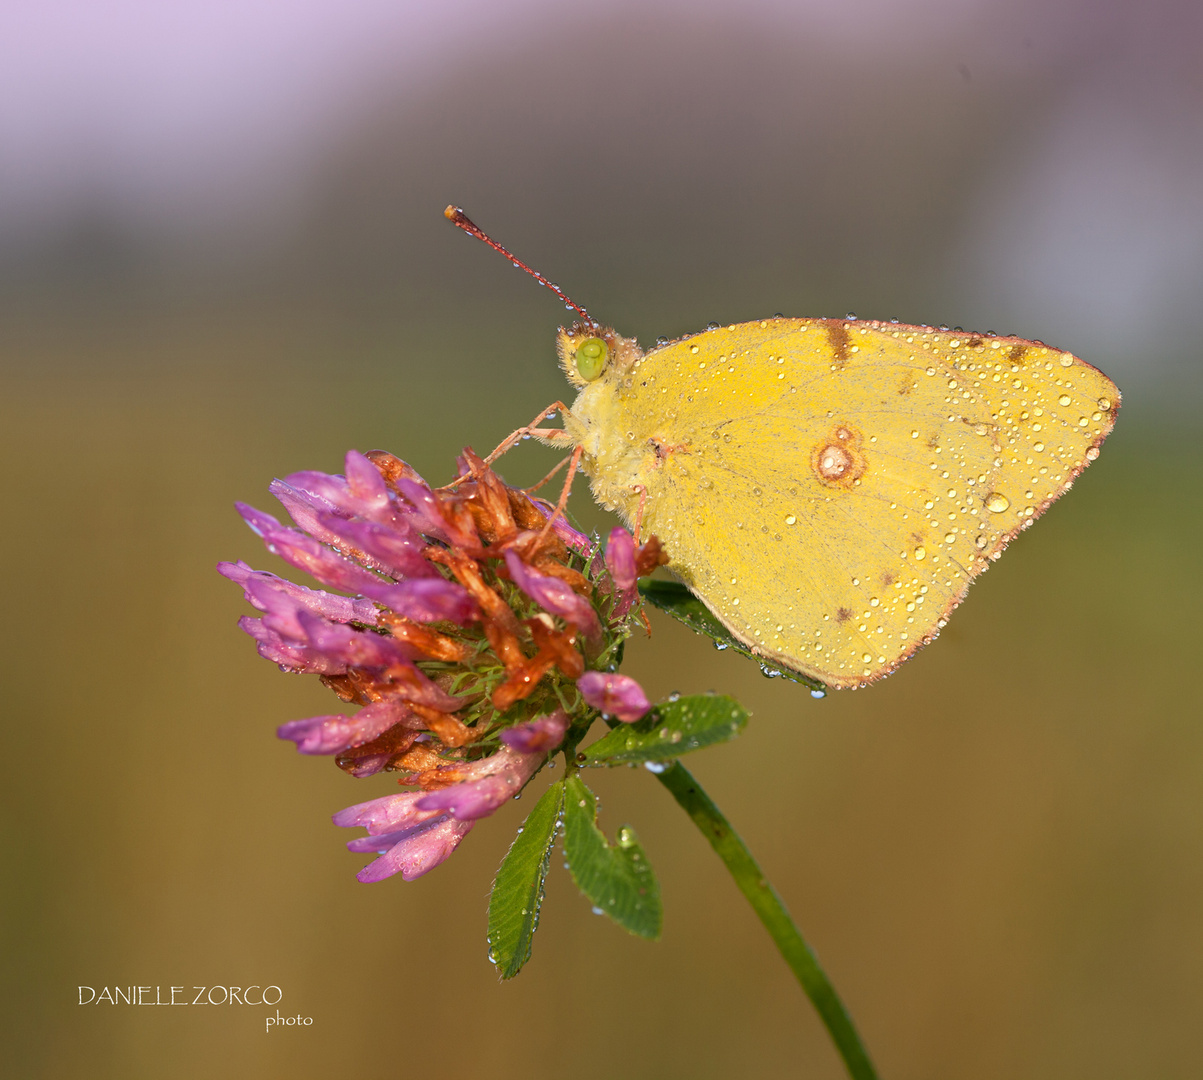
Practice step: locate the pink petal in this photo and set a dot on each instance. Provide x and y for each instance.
(619, 696)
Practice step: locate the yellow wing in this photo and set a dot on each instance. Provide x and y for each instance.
(829, 488)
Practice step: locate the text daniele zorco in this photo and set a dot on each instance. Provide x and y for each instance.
(180, 995)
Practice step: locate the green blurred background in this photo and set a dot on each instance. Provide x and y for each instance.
(223, 259)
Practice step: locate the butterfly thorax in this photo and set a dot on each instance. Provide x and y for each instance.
(614, 458)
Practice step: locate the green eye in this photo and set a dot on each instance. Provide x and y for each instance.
(591, 357)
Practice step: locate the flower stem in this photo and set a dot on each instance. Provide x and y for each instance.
(768, 905)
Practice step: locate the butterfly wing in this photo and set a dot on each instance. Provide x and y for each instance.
(830, 488)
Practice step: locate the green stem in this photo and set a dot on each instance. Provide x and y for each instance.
(767, 904)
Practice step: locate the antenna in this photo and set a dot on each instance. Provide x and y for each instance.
(457, 217)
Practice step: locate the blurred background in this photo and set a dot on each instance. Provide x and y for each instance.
(222, 259)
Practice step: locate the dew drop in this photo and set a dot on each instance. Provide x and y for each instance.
(656, 767)
(920, 553)
(996, 502)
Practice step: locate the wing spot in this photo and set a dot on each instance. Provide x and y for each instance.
(838, 460)
(838, 339)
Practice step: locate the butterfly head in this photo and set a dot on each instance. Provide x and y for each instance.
(589, 352)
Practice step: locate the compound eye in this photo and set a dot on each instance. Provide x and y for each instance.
(591, 356)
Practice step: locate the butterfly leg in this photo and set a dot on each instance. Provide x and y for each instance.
(531, 490)
(551, 435)
(574, 459)
(647, 626)
(639, 513)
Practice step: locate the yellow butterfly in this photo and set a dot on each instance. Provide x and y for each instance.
(829, 487)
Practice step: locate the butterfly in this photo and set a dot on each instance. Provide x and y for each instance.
(828, 488)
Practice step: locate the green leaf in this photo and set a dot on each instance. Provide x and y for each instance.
(617, 878)
(518, 888)
(671, 729)
(682, 605)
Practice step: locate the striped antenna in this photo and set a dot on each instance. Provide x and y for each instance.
(457, 217)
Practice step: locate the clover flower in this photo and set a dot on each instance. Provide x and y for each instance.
(479, 637)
